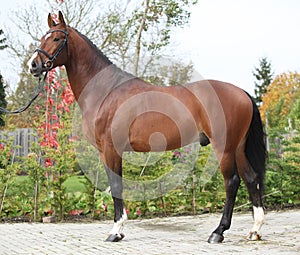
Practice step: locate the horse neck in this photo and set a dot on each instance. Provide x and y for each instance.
(84, 62)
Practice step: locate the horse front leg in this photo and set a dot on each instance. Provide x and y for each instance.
(113, 168)
(116, 234)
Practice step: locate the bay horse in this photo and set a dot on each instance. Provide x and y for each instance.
(121, 112)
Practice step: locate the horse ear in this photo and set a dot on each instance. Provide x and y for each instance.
(51, 22)
(61, 18)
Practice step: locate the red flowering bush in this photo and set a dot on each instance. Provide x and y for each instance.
(55, 136)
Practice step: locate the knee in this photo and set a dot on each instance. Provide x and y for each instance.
(236, 179)
(234, 182)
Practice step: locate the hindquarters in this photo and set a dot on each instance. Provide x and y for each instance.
(241, 153)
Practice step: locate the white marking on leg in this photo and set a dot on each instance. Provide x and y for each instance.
(119, 225)
(30, 61)
(259, 218)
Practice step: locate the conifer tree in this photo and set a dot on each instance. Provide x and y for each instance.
(263, 76)
(3, 102)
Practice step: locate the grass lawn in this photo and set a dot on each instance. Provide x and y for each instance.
(73, 183)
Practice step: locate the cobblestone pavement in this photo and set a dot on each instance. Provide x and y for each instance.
(176, 235)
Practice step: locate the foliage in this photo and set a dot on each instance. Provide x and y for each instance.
(52, 160)
(291, 166)
(167, 14)
(60, 163)
(168, 74)
(27, 86)
(283, 173)
(8, 168)
(2, 41)
(3, 102)
(281, 95)
(131, 36)
(55, 133)
(294, 115)
(37, 179)
(144, 28)
(281, 105)
(264, 76)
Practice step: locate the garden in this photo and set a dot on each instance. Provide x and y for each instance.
(62, 177)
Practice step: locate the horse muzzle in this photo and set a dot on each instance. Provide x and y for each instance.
(36, 69)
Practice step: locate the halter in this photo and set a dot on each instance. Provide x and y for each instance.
(49, 63)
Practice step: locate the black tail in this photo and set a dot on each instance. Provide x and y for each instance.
(256, 145)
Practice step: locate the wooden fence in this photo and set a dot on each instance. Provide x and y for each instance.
(22, 138)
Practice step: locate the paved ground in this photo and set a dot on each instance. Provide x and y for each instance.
(178, 235)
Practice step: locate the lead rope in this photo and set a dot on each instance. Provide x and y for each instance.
(25, 107)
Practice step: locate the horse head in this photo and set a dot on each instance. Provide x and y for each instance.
(53, 50)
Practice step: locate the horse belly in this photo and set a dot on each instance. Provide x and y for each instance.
(153, 131)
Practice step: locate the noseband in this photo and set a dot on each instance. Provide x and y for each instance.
(49, 63)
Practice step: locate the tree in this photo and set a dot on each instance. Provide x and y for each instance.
(27, 86)
(81, 14)
(116, 29)
(168, 73)
(56, 150)
(283, 171)
(3, 102)
(124, 32)
(157, 17)
(279, 99)
(263, 75)
(2, 41)
(294, 115)
(8, 167)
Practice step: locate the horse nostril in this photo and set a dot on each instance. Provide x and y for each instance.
(33, 64)
(34, 68)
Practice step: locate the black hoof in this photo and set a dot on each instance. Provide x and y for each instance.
(114, 238)
(215, 238)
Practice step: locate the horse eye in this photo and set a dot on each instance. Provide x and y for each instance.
(56, 39)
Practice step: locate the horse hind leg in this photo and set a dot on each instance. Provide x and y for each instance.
(232, 183)
(254, 186)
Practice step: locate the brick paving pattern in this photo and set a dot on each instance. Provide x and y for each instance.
(174, 235)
